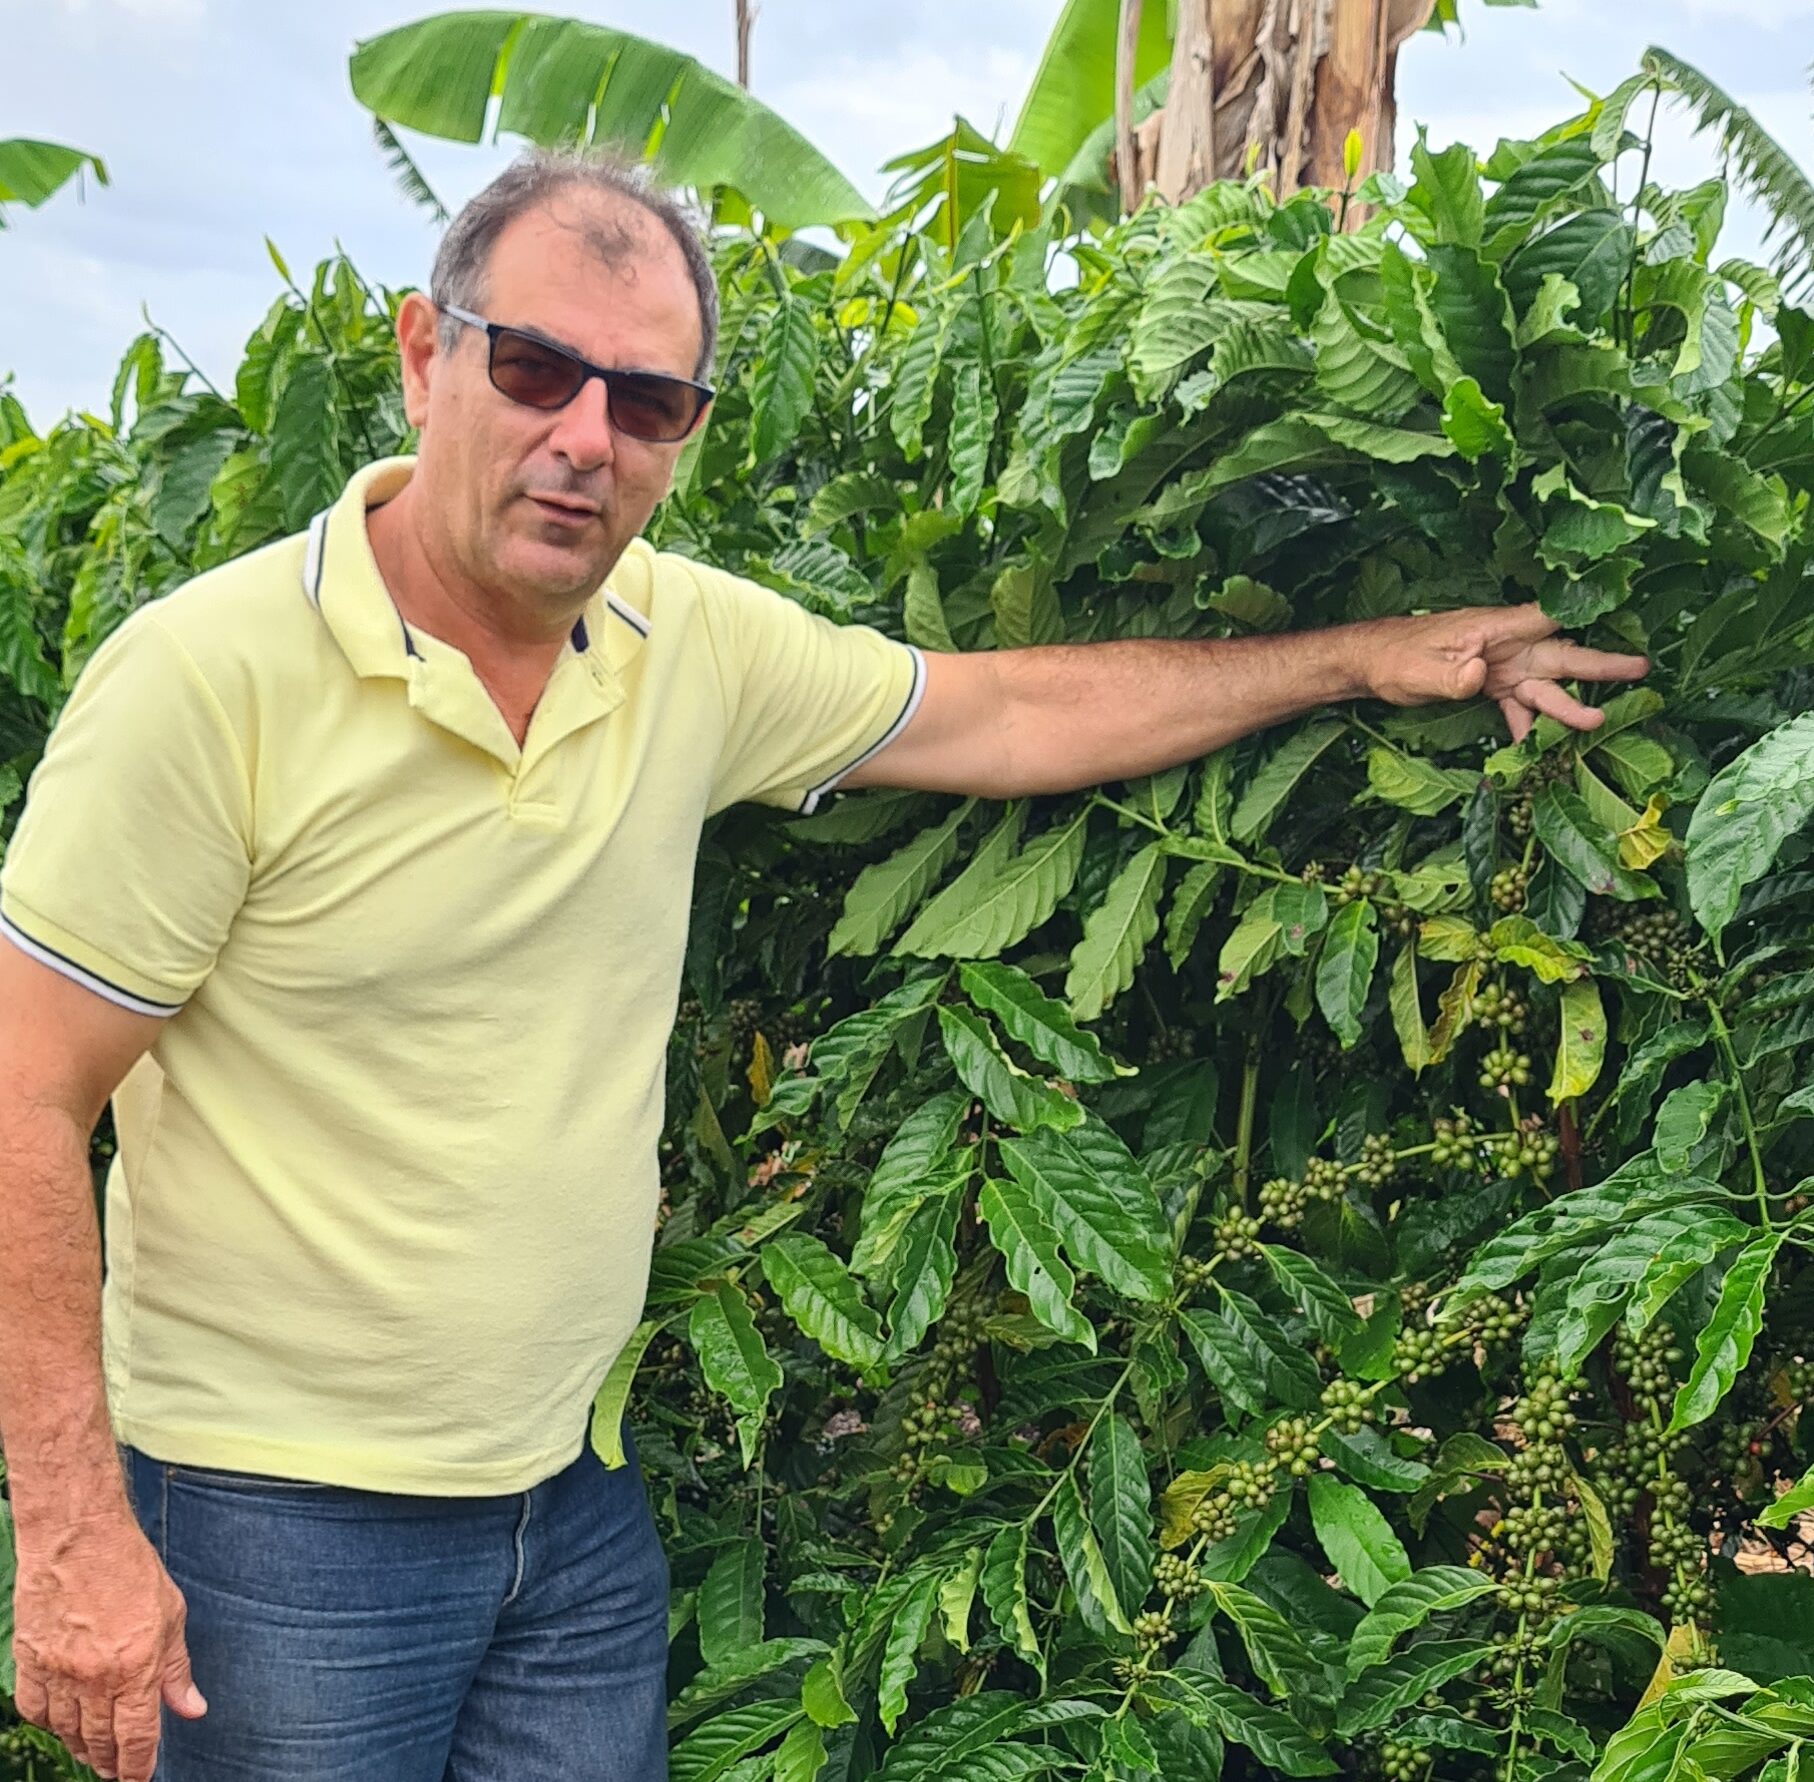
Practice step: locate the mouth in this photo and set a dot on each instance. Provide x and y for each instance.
(563, 510)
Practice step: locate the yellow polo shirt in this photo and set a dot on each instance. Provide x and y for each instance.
(386, 1185)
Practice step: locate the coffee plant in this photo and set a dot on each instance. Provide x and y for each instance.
(1293, 1266)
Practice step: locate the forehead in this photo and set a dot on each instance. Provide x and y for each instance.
(601, 276)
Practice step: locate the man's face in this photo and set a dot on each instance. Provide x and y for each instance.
(537, 505)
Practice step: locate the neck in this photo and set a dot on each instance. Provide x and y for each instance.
(512, 649)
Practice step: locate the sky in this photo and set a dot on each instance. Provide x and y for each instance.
(226, 121)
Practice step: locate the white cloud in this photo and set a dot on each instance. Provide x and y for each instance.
(156, 12)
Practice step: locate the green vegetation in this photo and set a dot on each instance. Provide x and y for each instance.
(1290, 1267)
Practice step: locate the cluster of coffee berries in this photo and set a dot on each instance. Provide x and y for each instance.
(921, 1427)
(1292, 1444)
(1498, 1005)
(1530, 1150)
(1169, 1043)
(1378, 1163)
(1452, 1140)
(1193, 1272)
(1236, 1234)
(1493, 1319)
(1282, 1202)
(1248, 1485)
(1177, 1578)
(1349, 1405)
(960, 1332)
(1324, 1179)
(1419, 1353)
(741, 1015)
(1401, 1761)
(1154, 1629)
(1543, 1413)
(1508, 888)
(1503, 1069)
(1356, 883)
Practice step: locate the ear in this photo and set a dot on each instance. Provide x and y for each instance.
(418, 347)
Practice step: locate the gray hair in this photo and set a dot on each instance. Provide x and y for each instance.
(541, 175)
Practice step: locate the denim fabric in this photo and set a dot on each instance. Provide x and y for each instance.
(360, 1636)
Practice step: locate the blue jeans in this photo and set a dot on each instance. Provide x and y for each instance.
(360, 1636)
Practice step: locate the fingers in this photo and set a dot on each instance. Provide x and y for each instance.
(1518, 624)
(30, 1696)
(1547, 697)
(65, 1717)
(95, 1715)
(1468, 678)
(135, 1730)
(1562, 660)
(179, 1686)
(1518, 719)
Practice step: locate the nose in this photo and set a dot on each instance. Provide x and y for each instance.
(582, 432)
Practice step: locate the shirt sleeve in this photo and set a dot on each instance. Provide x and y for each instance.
(806, 700)
(133, 852)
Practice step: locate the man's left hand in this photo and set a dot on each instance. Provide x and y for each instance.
(1508, 654)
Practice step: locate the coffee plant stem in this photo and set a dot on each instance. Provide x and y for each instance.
(1133, 816)
(1083, 1442)
(1250, 1096)
(1723, 1038)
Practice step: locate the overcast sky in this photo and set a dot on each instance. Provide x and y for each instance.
(223, 121)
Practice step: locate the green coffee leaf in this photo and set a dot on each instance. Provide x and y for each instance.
(1407, 1011)
(708, 1754)
(1269, 788)
(907, 1627)
(730, 1602)
(1278, 1654)
(948, 911)
(781, 385)
(1389, 1688)
(1724, 1346)
(1019, 897)
(1121, 1509)
(1751, 806)
(1358, 1539)
(1029, 1248)
(917, 1163)
(1093, 1194)
(1277, 1740)
(925, 1266)
(1580, 1041)
(1116, 933)
(1004, 1588)
(613, 1396)
(1010, 1095)
(1329, 1310)
(1081, 1555)
(1344, 972)
(1041, 1024)
(734, 1359)
(822, 1297)
(1406, 1605)
(882, 895)
(1583, 848)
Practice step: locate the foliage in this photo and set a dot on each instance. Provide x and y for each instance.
(564, 80)
(31, 172)
(1293, 1266)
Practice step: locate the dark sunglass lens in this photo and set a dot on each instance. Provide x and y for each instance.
(528, 371)
(646, 406)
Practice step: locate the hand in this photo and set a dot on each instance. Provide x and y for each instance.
(1508, 654)
(98, 1637)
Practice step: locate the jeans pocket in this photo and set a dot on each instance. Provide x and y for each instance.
(207, 1478)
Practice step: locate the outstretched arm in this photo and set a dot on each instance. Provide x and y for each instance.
(1008, 723)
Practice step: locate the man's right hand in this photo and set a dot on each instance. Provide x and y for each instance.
(98, 1640)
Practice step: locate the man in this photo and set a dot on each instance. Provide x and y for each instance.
(378, 964)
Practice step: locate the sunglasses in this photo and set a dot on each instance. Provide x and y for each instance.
(647, 405)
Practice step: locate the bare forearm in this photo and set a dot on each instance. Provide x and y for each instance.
(62, 1466)
(1075, 716)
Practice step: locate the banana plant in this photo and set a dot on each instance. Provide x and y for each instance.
(559, 80)
(31, 172)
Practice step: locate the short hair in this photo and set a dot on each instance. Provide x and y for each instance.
(534, 179)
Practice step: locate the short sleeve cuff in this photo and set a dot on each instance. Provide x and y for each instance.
(75, 959)
(914, 676)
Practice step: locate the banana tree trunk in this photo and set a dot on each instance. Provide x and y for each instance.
(1274, 87)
